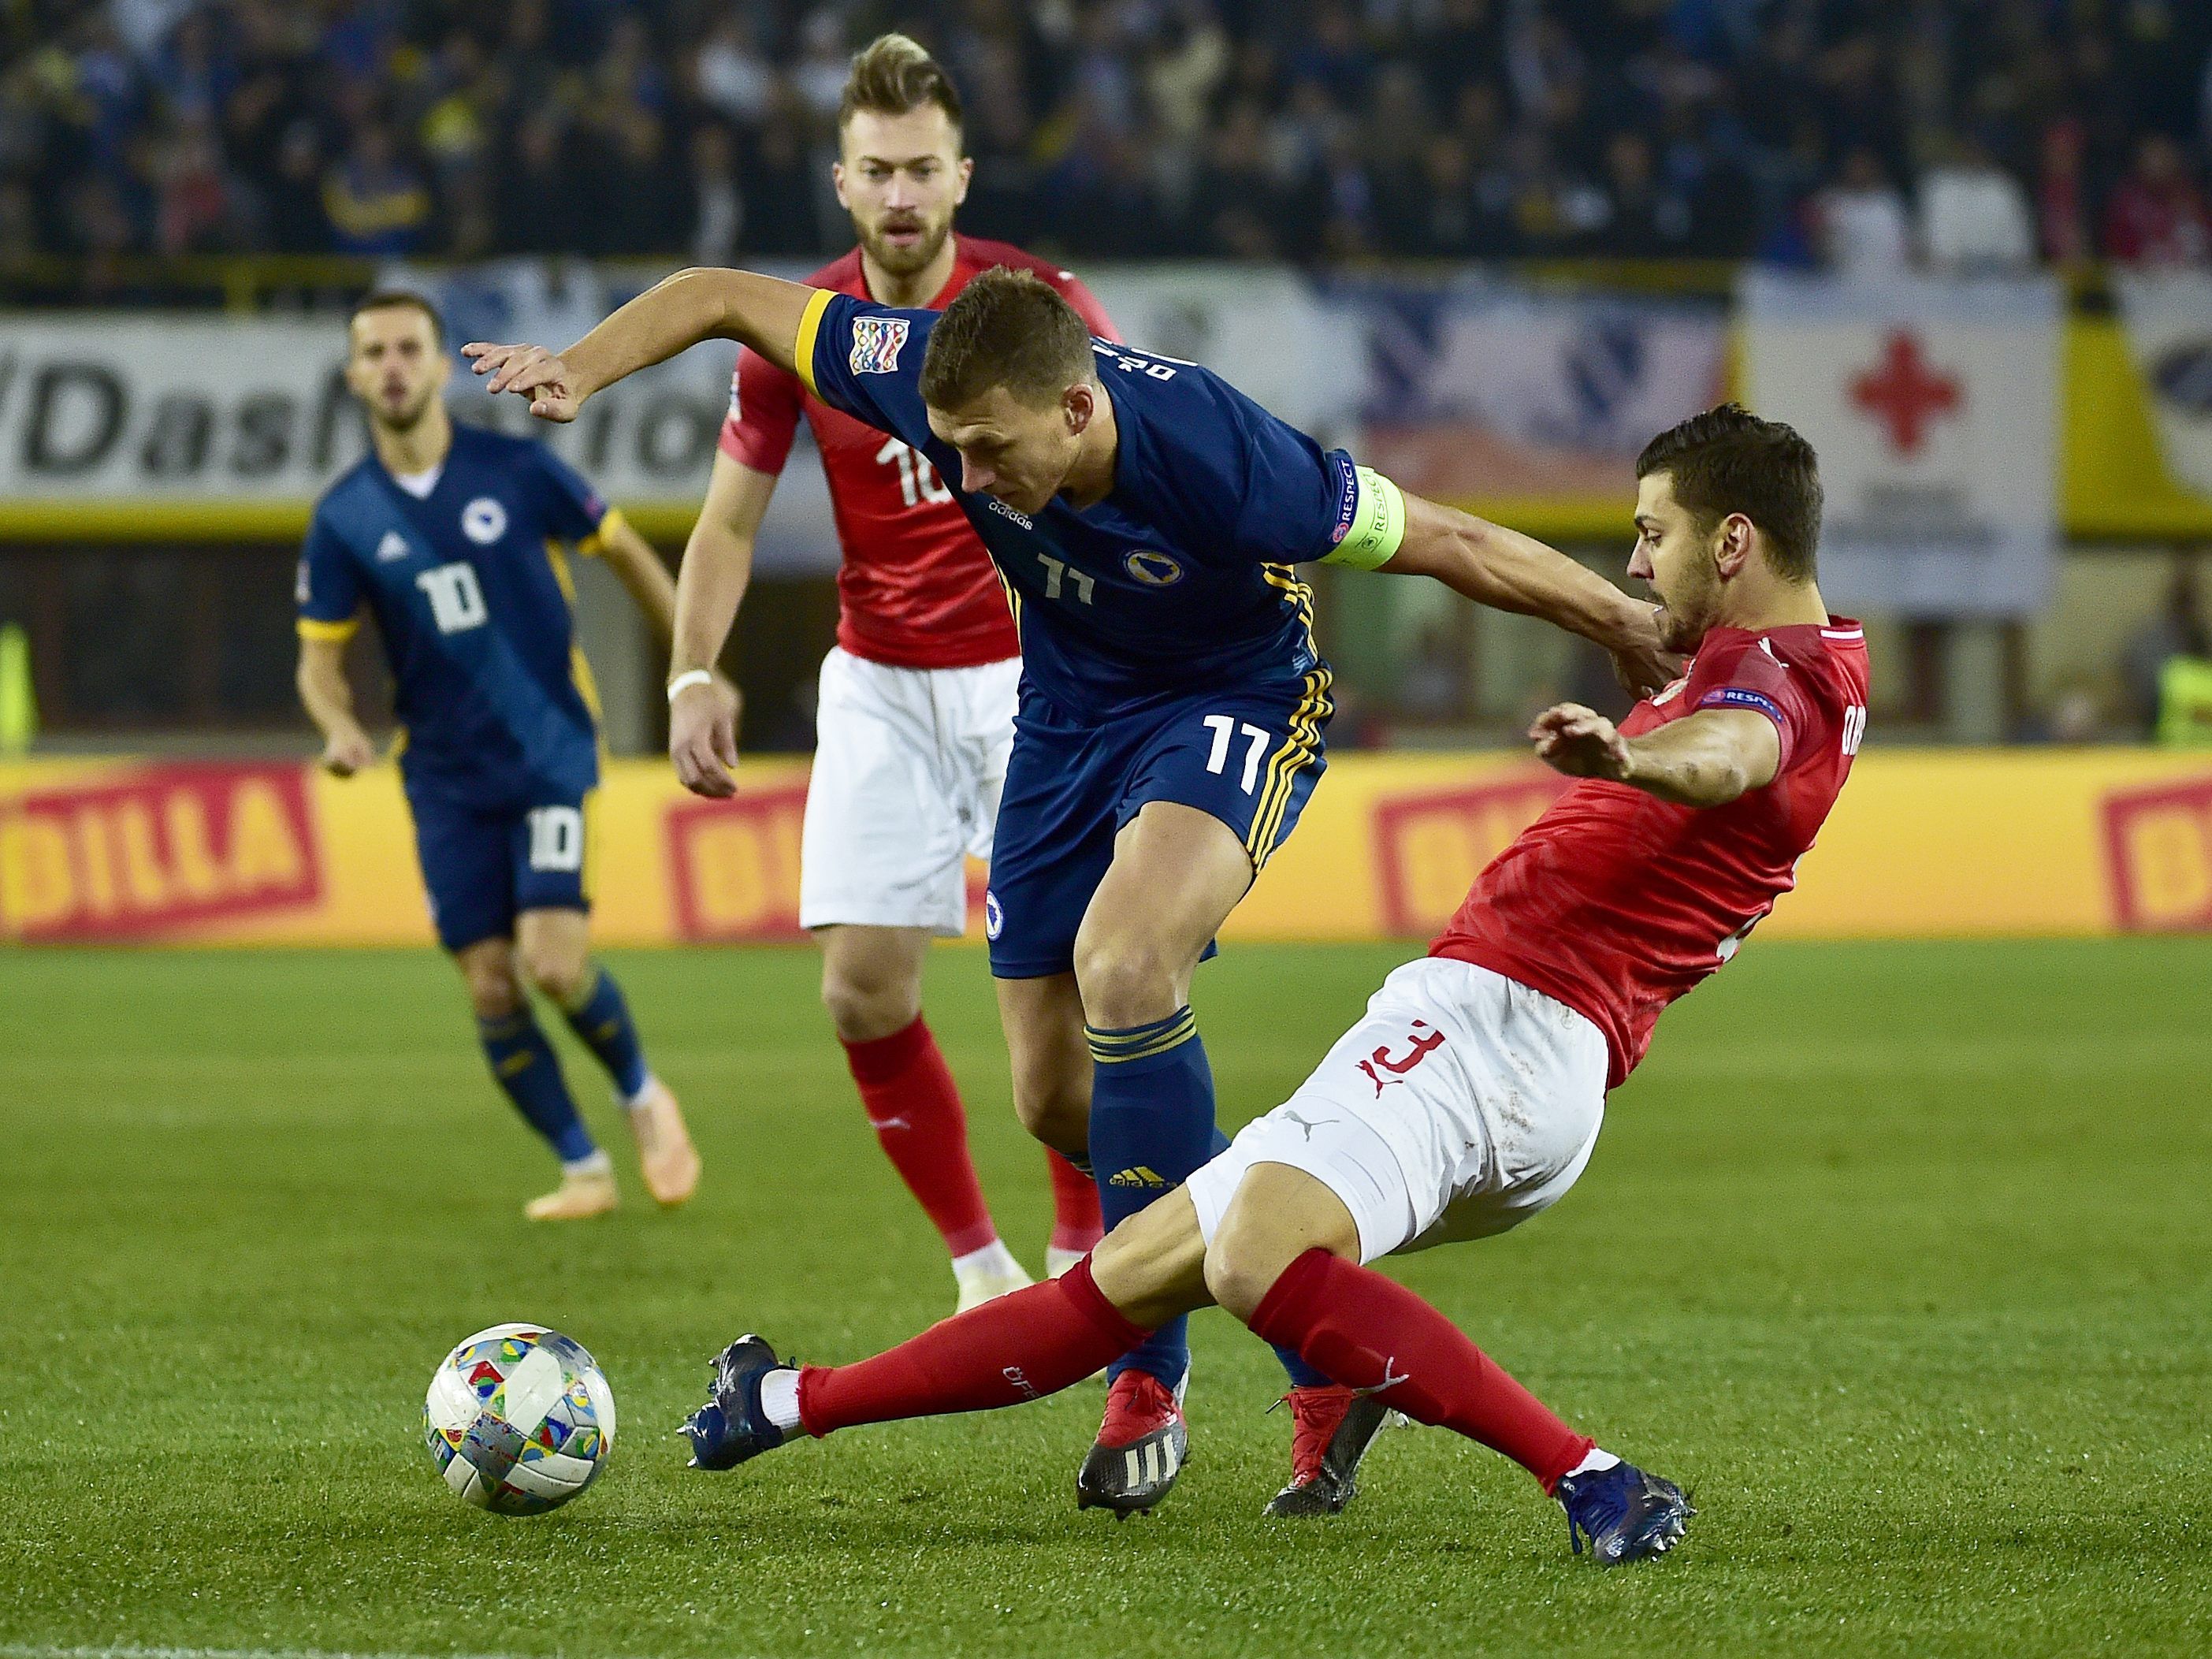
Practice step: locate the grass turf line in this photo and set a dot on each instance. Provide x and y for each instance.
(1892, 1253)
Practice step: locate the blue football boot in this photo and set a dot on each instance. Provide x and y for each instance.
(730, 1428)
(1625, 1514)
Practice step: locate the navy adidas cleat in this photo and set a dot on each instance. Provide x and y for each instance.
(730, 1428)
(1142, 1445)
(1331, 1428)
(1625, 1514)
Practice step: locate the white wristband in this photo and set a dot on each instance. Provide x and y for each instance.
(687, 679)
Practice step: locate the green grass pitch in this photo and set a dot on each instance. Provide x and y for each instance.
(1896, 1255)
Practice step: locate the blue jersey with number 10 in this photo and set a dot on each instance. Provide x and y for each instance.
(472, 595)
(1179, 581)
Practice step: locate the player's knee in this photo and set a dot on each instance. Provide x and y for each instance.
(493, 992)
(1051, 1095)
(560, 975)
(1238, 1277)
(1148, 1267)
(866, 1003)
(1247, 1254)
(1124, 982)
(1055, 1111)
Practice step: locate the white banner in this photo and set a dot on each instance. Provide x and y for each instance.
(2168, 316)
(1490, 391)
(220, 410)
(1267, 332)
(1934, 409)
(223, 412)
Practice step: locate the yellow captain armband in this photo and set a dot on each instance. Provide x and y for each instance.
(313, 628)
(1376, 525)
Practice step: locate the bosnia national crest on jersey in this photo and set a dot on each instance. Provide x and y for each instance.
(876, 342)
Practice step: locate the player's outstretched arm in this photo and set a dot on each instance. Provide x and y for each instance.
(673, 316)
(327, 695)
(1509, 571)
(717, 567)
(1704, 759)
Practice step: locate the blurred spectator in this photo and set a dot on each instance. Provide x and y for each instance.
(1642, 217)
(2166, 664)
(537, 207)
(634, 197)
(1973, 215)
(19, 222)
(195, 205)
(718, 206)
(2158, 215)
(733, 78)
(376, 202)
(2061, 194)
(818, 77)
(291, 212)
(1860, 223)
(780, 186)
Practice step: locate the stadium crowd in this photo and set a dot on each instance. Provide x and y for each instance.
(1860, 132)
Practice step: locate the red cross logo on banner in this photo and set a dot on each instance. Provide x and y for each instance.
(1903, 393)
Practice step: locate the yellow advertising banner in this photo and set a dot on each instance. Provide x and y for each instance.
(1947, 843)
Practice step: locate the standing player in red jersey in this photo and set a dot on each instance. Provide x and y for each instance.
(1469, 1097)
(916, 714)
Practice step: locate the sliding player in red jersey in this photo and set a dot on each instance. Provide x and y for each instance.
(1470, 1096)
(916, 714)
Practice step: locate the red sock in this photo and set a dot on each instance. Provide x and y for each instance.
(1076, 1225)
(913, 1106)
(1021, 1346)
(1362, 1328)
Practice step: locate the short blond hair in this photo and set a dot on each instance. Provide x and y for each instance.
(893, 74)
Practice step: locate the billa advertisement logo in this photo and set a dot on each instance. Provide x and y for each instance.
(734, 867)
(1432, 846)
(157, 852)
(2158, 850)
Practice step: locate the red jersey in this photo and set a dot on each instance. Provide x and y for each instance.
(1616, 902)
(915, 588)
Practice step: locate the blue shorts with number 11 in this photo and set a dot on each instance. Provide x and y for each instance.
(1250, 758)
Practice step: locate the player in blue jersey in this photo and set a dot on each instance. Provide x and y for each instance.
(452, 540)
(1145, 517)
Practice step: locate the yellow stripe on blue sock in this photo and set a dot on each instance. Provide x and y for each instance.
(1110, 1047)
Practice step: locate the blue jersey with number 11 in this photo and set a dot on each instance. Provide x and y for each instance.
(1179, 581)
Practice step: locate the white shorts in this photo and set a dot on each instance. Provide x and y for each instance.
(909, 763)
(1460, 1106)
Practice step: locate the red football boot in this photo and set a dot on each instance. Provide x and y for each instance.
(1142, 1445)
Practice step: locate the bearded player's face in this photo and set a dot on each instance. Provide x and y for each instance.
(394, 365)
(1678, 562)
(901, 177)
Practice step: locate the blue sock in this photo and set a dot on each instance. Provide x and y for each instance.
(1151, 1124)
(603, 1020)
(1302, 1374)
(522, 1059)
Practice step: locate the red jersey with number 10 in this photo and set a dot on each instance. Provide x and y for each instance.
(1616, 902)
(914, 588)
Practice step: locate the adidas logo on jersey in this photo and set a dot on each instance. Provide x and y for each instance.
(1142, 1175)
(393, 546)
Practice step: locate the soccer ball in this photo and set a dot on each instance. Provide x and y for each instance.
(519, 1419)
